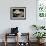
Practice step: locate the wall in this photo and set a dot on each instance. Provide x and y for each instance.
(24, 25)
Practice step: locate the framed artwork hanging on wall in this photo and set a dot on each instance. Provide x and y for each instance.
(18, 13)
(41, 12)
(41, 8)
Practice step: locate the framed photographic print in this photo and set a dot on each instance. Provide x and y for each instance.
(18, 13)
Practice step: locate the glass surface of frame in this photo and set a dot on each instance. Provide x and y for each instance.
(41, 12)
(18, 13)
(41, 8)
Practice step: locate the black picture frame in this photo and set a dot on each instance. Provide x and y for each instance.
(18, 13)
